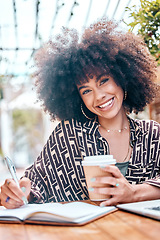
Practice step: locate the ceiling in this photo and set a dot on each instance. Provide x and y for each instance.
(26, 24)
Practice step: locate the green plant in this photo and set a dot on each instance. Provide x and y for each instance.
(26, 118)
(146, 21)
(27, 122)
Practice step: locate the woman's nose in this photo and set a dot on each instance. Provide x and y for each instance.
(99, 94)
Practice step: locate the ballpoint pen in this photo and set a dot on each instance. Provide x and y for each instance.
(12, 171)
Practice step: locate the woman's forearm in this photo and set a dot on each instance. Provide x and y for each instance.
(145, 192)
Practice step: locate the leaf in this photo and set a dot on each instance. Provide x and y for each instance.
(157, 15)
(147, 22)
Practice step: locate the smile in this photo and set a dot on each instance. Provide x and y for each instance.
(106, 104)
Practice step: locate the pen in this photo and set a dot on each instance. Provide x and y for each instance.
(12, 171)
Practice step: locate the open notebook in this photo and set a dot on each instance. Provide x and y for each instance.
(72, 213)
(146, 208)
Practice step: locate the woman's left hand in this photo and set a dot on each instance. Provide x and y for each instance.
(120, 190)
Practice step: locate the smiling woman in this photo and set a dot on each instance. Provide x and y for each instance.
(102, 96)
(64, 61)
(90, 85)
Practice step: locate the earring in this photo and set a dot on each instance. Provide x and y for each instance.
(84, 113)
(125, 95)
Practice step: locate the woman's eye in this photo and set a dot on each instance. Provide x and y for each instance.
(104, 81)
(85, 92)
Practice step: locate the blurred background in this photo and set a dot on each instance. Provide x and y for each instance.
(24, 26)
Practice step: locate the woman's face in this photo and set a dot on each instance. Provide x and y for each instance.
(102, 96)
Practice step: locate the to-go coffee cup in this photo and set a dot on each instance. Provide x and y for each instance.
(92, 166)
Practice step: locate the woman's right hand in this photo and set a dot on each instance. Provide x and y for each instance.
(12, 196)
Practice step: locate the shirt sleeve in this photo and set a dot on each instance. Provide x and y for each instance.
(40, 173)
(155, 181)
(57, 174)
(38, 193)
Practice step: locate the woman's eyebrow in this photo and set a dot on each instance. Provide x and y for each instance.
(99, 77)
(82, 87)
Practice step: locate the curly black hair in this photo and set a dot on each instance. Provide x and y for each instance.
(65, 62)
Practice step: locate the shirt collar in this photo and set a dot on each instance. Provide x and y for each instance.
(91, 127)
(136, 130)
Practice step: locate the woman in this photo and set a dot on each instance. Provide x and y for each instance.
(91, 85)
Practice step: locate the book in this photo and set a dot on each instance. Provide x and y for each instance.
(71, 213)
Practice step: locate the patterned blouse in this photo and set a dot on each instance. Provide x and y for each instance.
(57, 175)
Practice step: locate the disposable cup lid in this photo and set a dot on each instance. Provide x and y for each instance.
(98, 157)
(98, 161)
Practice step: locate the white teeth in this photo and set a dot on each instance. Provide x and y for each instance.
(106, 104)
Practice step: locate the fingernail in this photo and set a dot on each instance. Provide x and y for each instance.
(93, 179)
(102, 205)
(23, 189)
(24, 199)
(90, 189)
(102, 167)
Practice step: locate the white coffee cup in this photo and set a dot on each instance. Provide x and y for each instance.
(92, 166)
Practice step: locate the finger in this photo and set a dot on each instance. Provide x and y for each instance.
(14, 190)
(9, 192)
(25, 185)
(11, 204)
(106, 180)
(109, 202)
(25, 182)
(8, 202)
(107, 190)
(113, 170)
(13, 194)
(7, 181)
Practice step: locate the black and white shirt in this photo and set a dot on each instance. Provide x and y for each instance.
(57, 175)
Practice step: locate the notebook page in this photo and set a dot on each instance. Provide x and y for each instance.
(75, 210)
(22, 212)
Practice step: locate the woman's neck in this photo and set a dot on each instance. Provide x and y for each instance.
(119, 122)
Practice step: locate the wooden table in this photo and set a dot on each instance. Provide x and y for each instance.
(118, 225)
